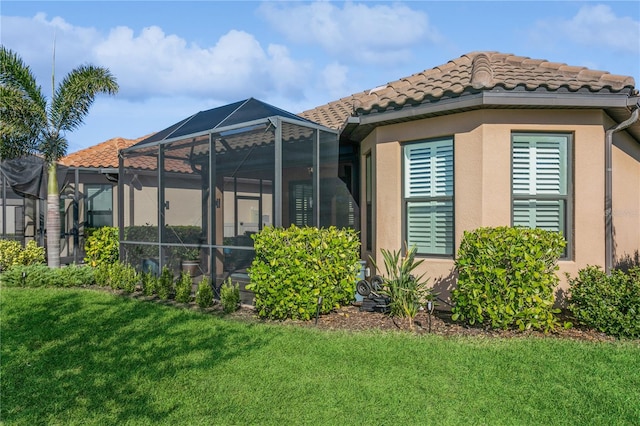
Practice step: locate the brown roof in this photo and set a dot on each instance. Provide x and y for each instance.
(470, 73)
(102, 155)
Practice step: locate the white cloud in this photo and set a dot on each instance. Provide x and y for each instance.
(335, 79)
(593, 25)
(235, 66)
(153, 63)
(33, 39)
(373, 34)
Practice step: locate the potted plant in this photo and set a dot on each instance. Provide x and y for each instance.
(190, 260)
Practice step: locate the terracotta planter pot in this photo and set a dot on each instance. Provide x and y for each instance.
(191, 267)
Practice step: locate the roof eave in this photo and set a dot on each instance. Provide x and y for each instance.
(501, 99)
(487, 99)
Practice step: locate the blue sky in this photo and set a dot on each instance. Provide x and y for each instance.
(175, 58)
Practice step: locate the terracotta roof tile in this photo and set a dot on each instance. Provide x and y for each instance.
(471, 72)
(102, 155)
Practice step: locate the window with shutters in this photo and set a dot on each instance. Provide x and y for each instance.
(301, 204)
(428, 196)
(541, 182)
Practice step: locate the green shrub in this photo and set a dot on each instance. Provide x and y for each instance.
(149, 283)
(407, 293)
(117, 275)
(74, 276)
(32, 254)
(229, 296)
(115, 280)
(506, 278)
(183, 288)
(27, 276)
(204, 295)
(293, 267)
(128, 277)
(610, 304)
(12, 254)
(9, 254)
(101, 275)
(102, 246)
(40, 275)
(165, 283)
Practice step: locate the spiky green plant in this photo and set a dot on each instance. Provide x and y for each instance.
(407, 292)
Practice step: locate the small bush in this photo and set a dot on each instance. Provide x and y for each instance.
(149, 283)
(9, 254)
(204, 295)
(165, 283)
(32, 254)
(406, 291)
(506, 278)
(610, 304)
(115, 279)
(128, 277)
(74, 276)
(102, 275)
(12, 254)
(293, 267)
(183, 288)
(40, 275)
(230, 296)
(28, 276)
(101, 247)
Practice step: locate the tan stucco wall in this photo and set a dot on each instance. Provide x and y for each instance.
(626, 195)
(482, 170)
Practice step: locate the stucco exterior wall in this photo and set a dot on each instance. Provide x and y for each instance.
(482, 180)
(626, 196)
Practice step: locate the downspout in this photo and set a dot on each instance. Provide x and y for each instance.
(608, 187)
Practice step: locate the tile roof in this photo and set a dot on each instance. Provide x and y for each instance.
(102, 155)
(471, 73)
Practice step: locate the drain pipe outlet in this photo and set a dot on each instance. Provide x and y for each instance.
(608, 187)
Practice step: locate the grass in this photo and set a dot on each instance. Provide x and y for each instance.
(84, 357)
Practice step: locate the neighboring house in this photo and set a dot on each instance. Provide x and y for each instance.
(493, 139)
(89, 193)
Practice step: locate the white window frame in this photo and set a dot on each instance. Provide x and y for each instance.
(428, 196)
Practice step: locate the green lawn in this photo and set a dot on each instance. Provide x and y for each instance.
(86, 357)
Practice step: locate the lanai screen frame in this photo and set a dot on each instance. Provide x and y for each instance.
(322, 136)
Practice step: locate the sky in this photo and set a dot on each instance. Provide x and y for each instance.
(174, 58)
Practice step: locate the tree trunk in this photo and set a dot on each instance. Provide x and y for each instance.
(53, 218)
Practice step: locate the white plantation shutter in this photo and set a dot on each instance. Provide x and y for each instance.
(539, 181)
(430, 226)
(548, 214)
(539, 165)
(429, 169)
(429, 196)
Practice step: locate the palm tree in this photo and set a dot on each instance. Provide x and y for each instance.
(30, 124)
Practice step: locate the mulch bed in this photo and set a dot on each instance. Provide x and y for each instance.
(352, 319)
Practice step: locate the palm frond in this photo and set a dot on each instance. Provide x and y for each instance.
(21, 122)
(53, 146)
(15, 74)
(77, 92)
